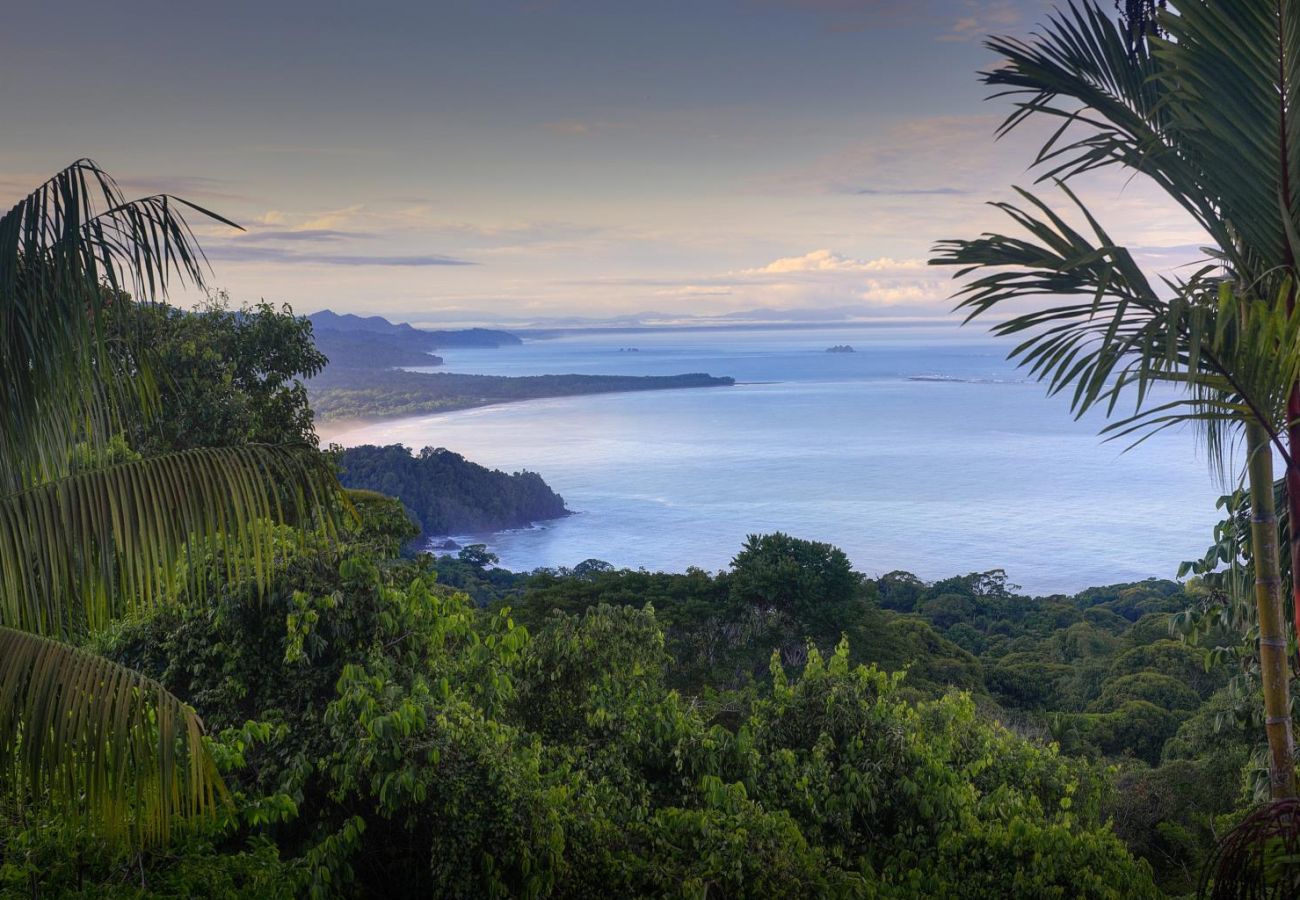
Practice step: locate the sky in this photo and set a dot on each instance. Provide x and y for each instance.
(532, 160)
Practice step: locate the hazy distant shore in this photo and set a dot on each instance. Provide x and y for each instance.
(349, 399)
(374, 374)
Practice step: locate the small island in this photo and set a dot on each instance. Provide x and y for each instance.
(841, 348)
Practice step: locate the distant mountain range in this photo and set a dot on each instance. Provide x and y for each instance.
(372, 342)
(328, 318)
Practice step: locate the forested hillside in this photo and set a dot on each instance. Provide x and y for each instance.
(381, 736)
(448, 494)
(1101, 674)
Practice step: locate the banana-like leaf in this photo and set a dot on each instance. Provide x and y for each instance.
(91, 740)
(81, 550)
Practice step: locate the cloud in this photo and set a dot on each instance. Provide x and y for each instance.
(335, 218)
(900, 159)
(237, 252)
(316, 150)
(883, 293)
(578, 127)
(303, 235)
(816, 261)
(982, 17)
(951, 21)
(696, 290)
(907, 192)
(809, 284)
(196, 188)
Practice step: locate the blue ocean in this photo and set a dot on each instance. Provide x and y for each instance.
(923, 450)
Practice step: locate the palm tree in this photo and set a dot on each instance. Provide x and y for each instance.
(82, 543)
(1206, 112)
(1141, 19)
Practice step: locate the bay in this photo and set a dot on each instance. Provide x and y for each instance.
(923, 450)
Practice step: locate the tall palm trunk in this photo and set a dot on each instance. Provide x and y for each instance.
(1293, 501)
(1273, 667)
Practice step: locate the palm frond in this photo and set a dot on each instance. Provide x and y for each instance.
(92, 740)
(1109, 108)
(78, 551)
(68, 252)
(1235, 358)
(1208, 112)
(1232, 71)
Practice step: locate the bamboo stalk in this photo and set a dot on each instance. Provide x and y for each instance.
(1273, 669)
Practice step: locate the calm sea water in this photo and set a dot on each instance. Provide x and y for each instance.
(935, 477)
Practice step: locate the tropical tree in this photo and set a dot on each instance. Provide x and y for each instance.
(90, 531)
(1140, 19)
(1205, 110)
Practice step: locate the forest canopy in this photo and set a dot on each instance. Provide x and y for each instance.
(448, 494)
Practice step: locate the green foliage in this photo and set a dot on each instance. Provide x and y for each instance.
(1154, 687)
(91, 527)
(931, 798)
(448, 494)
(1167, 814)
(1174, 659)
(378, 729)
(381, 521)
(802, 578)
(721, 629)
(228, 377)
(1135, 727)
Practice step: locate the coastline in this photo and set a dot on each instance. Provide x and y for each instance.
(329, 428)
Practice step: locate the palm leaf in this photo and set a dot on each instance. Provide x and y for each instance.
(1237, 358)
(1232, 70)
(68, 252)
(94, 741)
(81, 550)
(1108, 104)
(1209, 113)
(78, 548)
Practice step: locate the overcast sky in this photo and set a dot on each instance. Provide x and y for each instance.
(482, 160)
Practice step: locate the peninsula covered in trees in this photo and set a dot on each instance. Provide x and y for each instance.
(368, 373)
(448, 494)
(389, 393)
